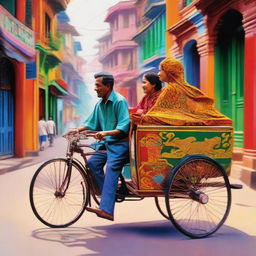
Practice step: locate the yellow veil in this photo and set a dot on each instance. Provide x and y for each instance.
(182, 104)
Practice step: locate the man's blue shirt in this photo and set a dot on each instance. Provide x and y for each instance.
(111, 115)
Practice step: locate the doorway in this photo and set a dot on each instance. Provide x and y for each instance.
(192, 63)
(229, 71)
(7, 84)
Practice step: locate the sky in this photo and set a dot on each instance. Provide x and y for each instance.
(87, 16)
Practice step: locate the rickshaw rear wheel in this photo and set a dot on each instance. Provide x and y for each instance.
(198, 196)
(159, 206)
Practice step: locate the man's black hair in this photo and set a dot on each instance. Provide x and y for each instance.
(107, 78)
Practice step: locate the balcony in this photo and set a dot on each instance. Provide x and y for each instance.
(58, 5)
(153, 8)
(143, 22)
(119, 45)
(117, 8)
(16, 37)
(55, 41)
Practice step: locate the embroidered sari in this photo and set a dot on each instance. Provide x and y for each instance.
(148, 101)
(182, 104)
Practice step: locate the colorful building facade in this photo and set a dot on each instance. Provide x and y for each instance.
(49, 46)
(117, 50)
(216, 40)
(150, 36)
(31, 81)
(76, 101)
(18, 116)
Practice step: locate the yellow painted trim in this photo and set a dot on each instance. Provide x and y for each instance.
(186, 128)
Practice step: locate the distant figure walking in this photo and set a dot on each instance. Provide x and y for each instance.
(51, 129)
(42, 132)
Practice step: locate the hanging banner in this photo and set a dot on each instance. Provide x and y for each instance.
(17, 34)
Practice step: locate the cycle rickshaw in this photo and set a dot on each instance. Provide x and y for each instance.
(188, 166)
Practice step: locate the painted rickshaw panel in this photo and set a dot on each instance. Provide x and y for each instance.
(154, 150)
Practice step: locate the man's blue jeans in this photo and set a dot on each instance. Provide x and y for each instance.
(115, 158)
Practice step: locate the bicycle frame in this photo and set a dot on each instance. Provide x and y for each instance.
(75, 147)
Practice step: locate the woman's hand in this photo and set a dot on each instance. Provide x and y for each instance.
(136, 118)
(139, 111)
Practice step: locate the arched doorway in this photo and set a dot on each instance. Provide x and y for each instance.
(41, 103)
(7, 83)
(229, 70)
(192, 63)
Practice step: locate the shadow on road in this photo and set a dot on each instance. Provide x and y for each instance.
(148, 238)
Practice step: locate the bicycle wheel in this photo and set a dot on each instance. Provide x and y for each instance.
(58, 199)
(159, 201)
(198, 196)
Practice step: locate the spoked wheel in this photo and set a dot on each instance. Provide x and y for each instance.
(59, 193)
(198, 196)
(160, 205)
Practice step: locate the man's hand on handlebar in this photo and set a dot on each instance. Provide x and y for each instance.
(71, 132)
(97, 135)
(74, 131)
(100, 135)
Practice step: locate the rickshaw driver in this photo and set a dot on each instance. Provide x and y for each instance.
(111, 118)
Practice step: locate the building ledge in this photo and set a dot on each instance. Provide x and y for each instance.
(119, 7)
(32, 153)
(58, 5)
(245, 174)
(248, 176)
(118, 45)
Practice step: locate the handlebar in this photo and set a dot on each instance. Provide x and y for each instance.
(79, 135)
(74, 141)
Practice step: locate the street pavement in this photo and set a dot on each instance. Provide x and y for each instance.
(15, 163)
(138, 229)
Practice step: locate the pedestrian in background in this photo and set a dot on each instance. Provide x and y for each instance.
(42, 132)
(51, 129)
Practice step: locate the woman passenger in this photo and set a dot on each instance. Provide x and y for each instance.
(180, 103)
(151, 86)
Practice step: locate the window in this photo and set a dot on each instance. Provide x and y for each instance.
(126, 20)
(7, 75)
(115, 60)
(125, 59)
(47, 25)
(9, 5)
(187, 2)
(116, 23)
(28, 13)
(131, 66)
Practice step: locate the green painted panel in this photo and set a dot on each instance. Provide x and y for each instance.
(153, 42)
(187, 2)
(229, 80)
(160, 148)
(9, 5)
(28, 20)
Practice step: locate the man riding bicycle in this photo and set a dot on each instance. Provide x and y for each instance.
(110, 118)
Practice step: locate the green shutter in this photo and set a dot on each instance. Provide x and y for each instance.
(9, 5)
(229, 80)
